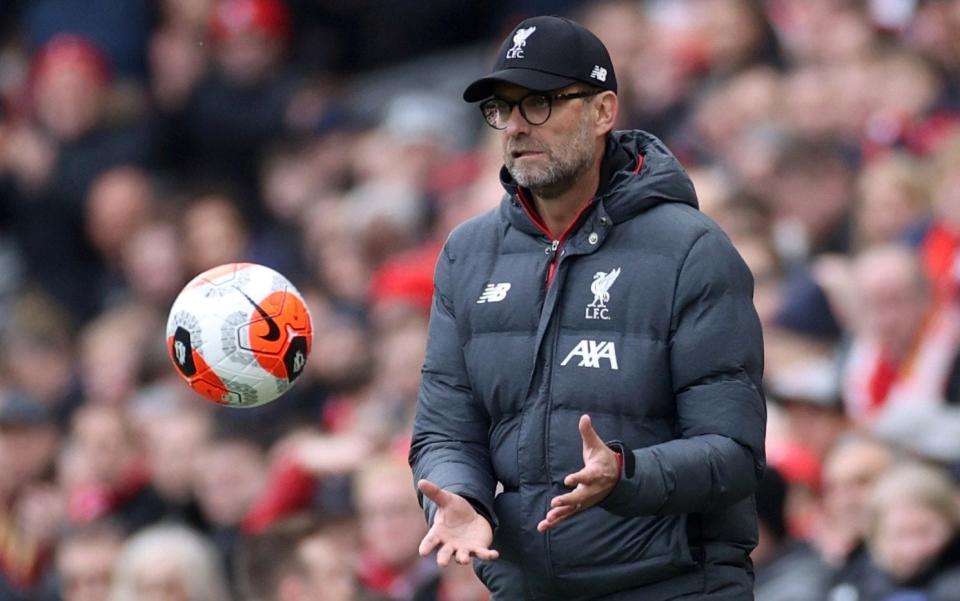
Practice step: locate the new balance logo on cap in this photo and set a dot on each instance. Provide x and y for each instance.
(519, 41)
(494, 293)
(599, 73)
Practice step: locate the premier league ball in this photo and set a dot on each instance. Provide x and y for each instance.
(239, 334)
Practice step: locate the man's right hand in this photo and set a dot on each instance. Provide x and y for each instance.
(458, 530)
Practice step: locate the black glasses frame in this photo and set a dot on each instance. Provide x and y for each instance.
(550, 98)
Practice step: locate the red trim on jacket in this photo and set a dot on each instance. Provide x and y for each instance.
(538, 221)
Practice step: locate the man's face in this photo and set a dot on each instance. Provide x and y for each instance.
(893, 301)
(86, 569)
(391, 522)
(848, 480)
(909, 537)
(548, 158)
(329, 571)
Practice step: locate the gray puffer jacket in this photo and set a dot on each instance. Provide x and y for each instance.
(647, 325)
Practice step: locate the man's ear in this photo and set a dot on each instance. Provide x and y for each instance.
(607, 107)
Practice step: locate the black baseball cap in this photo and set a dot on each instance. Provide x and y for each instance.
(547, 53)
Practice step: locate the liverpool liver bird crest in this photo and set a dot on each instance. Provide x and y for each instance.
(601, 287)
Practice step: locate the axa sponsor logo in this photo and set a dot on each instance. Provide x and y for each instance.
(600, 287)
(494, 293)
(519, 41)
(592, 352)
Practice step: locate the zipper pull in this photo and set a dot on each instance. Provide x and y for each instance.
(552, 249)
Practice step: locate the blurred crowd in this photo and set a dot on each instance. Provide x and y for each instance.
(142, 142)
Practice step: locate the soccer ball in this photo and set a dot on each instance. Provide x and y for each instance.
(239, 334)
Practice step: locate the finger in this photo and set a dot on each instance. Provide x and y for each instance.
(486, 554)
(559, 513)
(584, 477)
(433, 492)
(543, 526)
(444, 555)
(462, 556)
(428, 544)
(570, 499)
(590, 437)
(548, 523)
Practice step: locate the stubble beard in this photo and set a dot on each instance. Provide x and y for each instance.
(566, 163)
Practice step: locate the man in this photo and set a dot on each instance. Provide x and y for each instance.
(905, 344)
(596, 298)
(299, 559)
(85, 558)
(849, 474)
(390, 528)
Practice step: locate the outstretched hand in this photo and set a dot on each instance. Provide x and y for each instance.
(458, 530)
(600, 473)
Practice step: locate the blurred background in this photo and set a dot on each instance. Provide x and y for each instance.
(144, 141)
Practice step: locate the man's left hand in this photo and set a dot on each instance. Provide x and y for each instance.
(600, 473)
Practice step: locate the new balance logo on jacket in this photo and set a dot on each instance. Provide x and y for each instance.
(494, 293)
(591, 352)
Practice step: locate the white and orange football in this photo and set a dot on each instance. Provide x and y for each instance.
(239, 334)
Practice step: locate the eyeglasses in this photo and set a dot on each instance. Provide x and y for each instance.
(534, 107)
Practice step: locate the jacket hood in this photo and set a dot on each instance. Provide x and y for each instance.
(637, 172)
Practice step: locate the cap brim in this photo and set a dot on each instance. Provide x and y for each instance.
(531, 79)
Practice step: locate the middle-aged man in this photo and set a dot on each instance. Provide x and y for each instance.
(590, 422)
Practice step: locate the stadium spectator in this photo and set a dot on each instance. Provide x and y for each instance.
(849, 473)
(112, 350)
(120, 201)
(228, 474)
(168, 563)
(247, 73)
(85, 559)
(298, 559)
(938, 247)
(30, 508)
(153, 268)
(914, 535)
(172, 441)
(213, 231)
(72, 134)
(391, 526)
(104, 474)
(893, 198)
(38, 339)
(904, 343)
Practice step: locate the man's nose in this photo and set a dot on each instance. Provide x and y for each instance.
(516, 122)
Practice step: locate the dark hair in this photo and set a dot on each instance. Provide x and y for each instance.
(264, 559)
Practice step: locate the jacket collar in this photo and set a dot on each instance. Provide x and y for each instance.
(637, 172)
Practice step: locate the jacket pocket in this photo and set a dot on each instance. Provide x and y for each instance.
(597, 546)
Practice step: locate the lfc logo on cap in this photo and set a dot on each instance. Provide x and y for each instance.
(519, 41)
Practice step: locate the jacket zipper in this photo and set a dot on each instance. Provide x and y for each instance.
(548, 367)
(553, 250)
(552, 267)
